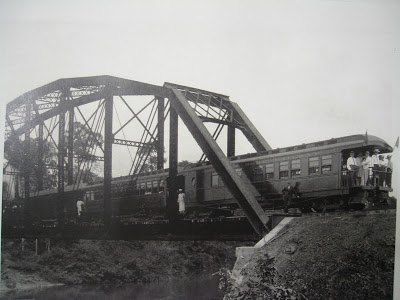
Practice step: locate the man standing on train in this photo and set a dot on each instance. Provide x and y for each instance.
(352, 169)
(359, 172)
(375, 164)
(389, 171)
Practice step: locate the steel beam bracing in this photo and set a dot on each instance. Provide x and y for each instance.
(133, 143)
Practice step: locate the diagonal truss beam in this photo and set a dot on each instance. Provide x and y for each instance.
(90, 127)
(255, 214)
(135, 115)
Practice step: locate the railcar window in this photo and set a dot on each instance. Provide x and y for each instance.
(326, 164)
(258, 173)
(162, 185)
(214, 179)
(284, 169)
(142, 188)
(295, 170)
(220, 182)
(90, 195)
(269, 171)
(313, 165)
(138, 188)
(148, 187)
(155, 187)
(239, 171)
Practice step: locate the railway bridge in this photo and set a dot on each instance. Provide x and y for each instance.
(47, 115)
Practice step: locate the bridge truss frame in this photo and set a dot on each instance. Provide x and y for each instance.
(62, 98)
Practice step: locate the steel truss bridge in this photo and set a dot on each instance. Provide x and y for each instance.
(49, 113)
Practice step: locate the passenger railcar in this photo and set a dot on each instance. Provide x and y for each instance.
(318, 167)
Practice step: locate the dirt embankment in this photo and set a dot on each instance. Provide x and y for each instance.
(111, 262)
(348, 256)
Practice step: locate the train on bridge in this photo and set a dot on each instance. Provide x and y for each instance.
(319, 167)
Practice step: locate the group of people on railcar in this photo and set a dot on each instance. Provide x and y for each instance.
(367, 170)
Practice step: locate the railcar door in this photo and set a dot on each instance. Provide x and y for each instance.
(200, 185)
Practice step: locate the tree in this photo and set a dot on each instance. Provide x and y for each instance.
(85, 141)
(151, 162)
(18, 160)
(84, 144)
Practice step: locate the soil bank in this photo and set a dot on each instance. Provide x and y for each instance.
(338, 256)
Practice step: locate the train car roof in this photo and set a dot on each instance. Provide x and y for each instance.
(356, 140)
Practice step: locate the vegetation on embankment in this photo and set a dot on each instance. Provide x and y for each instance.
(348, 256)
(114, 262)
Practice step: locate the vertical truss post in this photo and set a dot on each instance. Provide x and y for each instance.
(60, 166)
(231, 141)
(160, 134)
(27, 162)
(70, 170)
(40, 158)
(27, 167)
(61, 150)
(249, 130)
(108, 141)
(173, 164)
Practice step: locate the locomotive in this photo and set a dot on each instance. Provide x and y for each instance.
(319, 167)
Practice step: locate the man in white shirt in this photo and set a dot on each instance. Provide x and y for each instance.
(181, 201)
(79, 206)
(351, 167)
(375, 163)
(375, 158)
(382, 170)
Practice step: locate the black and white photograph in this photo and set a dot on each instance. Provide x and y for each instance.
(178, 150)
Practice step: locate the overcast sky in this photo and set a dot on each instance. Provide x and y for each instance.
(302, 71)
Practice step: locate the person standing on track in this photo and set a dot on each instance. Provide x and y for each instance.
(181, 201)
(287, 196)
(79, 207)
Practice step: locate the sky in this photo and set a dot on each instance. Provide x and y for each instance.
(302, 71)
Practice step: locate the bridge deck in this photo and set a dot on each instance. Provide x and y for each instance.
(221, 228)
